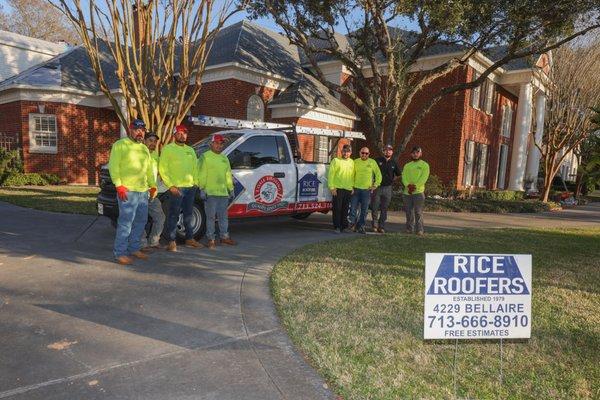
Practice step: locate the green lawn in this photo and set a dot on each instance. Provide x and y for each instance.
(354, 307)
(66, 199)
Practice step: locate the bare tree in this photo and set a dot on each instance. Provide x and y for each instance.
(159, 51)
(37, 19)
(575, 78)
(384, 60)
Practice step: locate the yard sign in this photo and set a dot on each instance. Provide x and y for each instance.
(477, 296)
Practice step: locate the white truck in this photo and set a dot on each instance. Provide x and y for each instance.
(270, 178)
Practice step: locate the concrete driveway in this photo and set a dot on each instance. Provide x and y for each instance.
(196, 325)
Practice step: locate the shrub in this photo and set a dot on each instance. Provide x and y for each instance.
(501, 195)
(22, 179)
(10, 161)
(51, 179)
(434, 186)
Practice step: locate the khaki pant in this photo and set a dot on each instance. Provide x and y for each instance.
(413, 205)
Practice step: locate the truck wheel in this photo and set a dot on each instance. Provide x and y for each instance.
(198, 221)
(302, 215)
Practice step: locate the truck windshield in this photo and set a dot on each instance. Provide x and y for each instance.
(204, 145)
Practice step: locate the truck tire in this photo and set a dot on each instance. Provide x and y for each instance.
(198, 222)
(302, 215)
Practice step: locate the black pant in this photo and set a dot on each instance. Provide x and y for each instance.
(341, 204)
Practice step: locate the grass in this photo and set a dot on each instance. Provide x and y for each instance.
(65, 199)
(355, 309)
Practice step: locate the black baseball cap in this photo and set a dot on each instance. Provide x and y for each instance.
(416, 148)
(388, 146)
(346, 147)
(150, 135)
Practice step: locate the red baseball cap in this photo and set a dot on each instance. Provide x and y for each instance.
(217, 137)
(180, 128)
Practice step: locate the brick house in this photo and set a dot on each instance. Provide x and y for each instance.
(478, 138)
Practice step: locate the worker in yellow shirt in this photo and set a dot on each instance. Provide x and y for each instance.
(340, 179)
(178, 169)
(215, 179)
(367, 177)
(130, 169)
(414, 176)
(155, 210)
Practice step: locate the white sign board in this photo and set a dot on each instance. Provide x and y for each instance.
(477, 296)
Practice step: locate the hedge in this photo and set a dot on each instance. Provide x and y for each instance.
(29, 179)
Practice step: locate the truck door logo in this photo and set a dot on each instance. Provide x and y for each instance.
(268, 193)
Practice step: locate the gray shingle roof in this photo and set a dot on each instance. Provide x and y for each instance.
(497, 52)
(245, 43)
(312, 93)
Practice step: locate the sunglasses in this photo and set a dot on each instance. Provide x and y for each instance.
(364, 152)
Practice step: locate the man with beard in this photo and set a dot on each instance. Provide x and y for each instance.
(414, 175)
(367, 177)
(155, 210)
(178, 169)
(130, 169)
(216, 180)
(383, 194)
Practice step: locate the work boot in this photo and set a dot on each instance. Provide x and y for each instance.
(172, 246)
(140, 255)
(124, 260)
(228, 241)
(380, 230)
(192, 243)
(212, 245)
(420, 233)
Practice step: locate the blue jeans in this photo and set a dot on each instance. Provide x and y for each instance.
(177, 204)
(216, 206)
(133, 215)
(362, 196)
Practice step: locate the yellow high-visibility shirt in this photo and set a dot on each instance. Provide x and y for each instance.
(341, 174)
(215, 174)
(178, 166)
(130, 165)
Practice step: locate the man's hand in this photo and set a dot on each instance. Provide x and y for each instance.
(372, 188)
(122, 193)
(174, 191)
(152, 192)
(334, 192)
(411, 188)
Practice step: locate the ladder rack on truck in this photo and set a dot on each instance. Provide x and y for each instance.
(292, 130)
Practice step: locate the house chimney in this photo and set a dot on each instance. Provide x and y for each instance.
(142, 22)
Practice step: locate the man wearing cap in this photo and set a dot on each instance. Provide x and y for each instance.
(414, 175)
(155, 210)
(367, 178)
(130, 169)
(178, 169)
(340, 180)
(215, 179)
(382, 197)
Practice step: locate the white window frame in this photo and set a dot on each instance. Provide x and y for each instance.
(502, 164)
(507, 114)
(321, 149)
(46, 135)
(469, 159)
(489, 97)
(254, 101)
(475, 92)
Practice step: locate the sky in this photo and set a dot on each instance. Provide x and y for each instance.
(266, 22)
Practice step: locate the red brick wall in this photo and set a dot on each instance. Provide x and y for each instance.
(85, 135)
(10, 125)
(439, 132)
(481, 127)
(227, 99)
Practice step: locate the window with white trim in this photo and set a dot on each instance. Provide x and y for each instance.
(255, 110)
(507, 117)
(475, 92)
(502, 163)
(321, 150)
(43, 133)
(489, 96)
